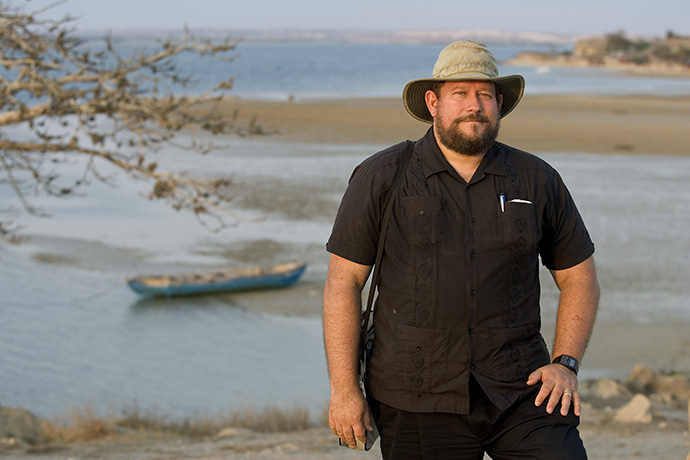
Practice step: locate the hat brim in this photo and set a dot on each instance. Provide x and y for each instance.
(414, 95)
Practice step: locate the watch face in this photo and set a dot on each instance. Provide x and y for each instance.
(567, 361)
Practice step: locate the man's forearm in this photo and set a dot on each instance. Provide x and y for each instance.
(341, 328)
(577, 309)
(341, 321)
(348, 413)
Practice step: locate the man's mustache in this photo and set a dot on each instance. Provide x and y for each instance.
(473, 117)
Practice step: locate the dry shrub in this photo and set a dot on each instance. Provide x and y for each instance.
(85, 425)
(81, 425)
(271, 419)
(149, 422)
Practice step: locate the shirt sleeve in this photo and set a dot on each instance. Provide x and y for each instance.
(566, 241)
(355, 231)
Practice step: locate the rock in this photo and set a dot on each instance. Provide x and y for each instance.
(638, 410)
(645, 380)
(609, 389)
(232, 432)
(641, 379)
(20, 424)
(604, 389)
(676, 385)
(665, 399)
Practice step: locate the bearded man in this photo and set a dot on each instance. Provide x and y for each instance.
(459, 367)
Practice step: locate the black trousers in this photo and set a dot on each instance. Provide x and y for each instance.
(523, 432)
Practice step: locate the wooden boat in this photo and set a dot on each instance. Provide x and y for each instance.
(242, 279)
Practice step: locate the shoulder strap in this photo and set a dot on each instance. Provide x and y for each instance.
(404, 161)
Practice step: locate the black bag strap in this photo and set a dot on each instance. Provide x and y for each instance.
(404, 161)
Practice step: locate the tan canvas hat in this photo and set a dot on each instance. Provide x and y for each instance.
(463, 60)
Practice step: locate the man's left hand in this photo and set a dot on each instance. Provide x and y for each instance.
(559, 384)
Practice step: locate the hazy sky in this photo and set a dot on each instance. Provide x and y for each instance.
(636, 17)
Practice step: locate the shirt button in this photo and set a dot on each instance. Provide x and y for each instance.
(473, 220)
(470, 330)
(421, 213)
(473, 292)
(473, 255)
(472, 366)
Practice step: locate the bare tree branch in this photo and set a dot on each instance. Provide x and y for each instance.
(62, 91)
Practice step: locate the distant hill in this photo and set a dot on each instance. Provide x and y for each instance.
(667, 56)
(441, 36)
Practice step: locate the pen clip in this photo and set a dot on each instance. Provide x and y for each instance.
(502, 201)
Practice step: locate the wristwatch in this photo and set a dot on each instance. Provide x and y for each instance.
(567, 361)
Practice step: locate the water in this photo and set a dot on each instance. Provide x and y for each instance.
(78, 340)
(306, 70)
(72, 333)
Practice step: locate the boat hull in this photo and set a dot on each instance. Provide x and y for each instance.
(280, 276)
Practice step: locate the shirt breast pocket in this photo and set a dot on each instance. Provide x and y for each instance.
(520, 230)
(425, 219)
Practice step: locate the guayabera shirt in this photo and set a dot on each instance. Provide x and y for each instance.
(459, 288)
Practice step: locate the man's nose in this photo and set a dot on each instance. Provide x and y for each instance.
(474, 103)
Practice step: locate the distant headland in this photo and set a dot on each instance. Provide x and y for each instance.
(664, 56)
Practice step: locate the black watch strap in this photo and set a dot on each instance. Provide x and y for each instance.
(567, 361)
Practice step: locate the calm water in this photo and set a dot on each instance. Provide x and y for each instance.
(304, 70)
(273, 71)
(72, 333)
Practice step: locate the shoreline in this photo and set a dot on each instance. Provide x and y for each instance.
(540, 123)
(657, 70)
(551, 124)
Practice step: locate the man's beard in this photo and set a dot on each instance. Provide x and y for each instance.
(457, 141)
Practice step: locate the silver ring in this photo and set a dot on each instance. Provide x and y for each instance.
(567, 394)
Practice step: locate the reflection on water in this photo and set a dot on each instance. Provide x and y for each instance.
(72, 333)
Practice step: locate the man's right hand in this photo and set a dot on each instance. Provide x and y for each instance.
(349, 416)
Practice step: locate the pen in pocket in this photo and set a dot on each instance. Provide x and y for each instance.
(502, 201)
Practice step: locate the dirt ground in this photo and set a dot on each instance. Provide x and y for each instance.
(664, 439)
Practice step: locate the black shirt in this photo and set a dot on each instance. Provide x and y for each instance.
(459, 288)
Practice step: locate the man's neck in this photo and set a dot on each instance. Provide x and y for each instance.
(464, 165)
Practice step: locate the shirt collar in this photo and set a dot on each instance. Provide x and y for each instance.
(494, 162)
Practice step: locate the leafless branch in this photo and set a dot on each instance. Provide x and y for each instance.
(62, 91)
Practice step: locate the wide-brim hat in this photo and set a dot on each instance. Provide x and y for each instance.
(463, 60)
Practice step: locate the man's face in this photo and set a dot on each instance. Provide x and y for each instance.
(466, 115)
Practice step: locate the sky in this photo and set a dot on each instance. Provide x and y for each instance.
(637, 18)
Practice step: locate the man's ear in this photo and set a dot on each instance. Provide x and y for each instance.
(499, 102)
(431, 100)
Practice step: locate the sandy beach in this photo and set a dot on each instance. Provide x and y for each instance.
(590, 124)
(581, 124)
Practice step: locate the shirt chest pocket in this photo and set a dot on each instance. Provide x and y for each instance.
(425, 220)
(520, 231)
